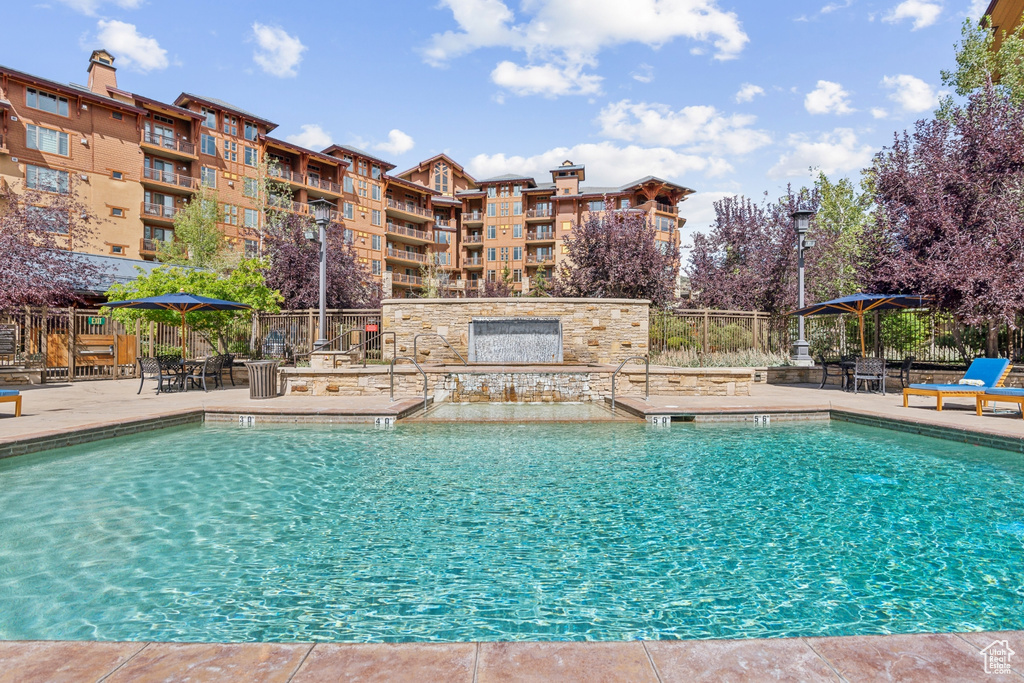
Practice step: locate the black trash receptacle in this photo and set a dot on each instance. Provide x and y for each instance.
(262, 378)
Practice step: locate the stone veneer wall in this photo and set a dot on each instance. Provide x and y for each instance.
(593, 330)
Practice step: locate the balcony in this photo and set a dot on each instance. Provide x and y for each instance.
(540, 235)
(660, 208)
(287, 205)
(533, 215)
(168, 146)
(402, 279)
(408, 211)
(472, 217)
(285, 174)
(474, 262)
(540, 259)
(407, 256)
(410, 235)
(167, 180)
(148, 247)
(472, 241)
(322, 185)
(438, 223)
(159, 212)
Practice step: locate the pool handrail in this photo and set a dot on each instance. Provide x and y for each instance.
(391, 374)
(416, 339)
(647, 376)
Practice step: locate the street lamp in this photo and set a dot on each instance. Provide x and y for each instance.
(322, 213)
(801, 221)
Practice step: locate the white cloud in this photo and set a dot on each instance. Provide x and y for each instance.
(90, 7)
(879, 113)
(911, 93)
(698, 128)
(834, 6)
(828, 98)
(923, 13)
(398, 143)
(548, 80)
(748, 91)
(606, 162)
(838, 151)
(977, 8)
(644, 73)
(279, 54)
(567, 35)
(312, 137)
(125, 43)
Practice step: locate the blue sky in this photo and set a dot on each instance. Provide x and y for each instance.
(723, 96)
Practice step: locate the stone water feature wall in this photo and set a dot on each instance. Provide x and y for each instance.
(593, 330)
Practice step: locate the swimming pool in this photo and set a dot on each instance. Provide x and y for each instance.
(509, 532)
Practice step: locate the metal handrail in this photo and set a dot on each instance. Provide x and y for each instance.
(416, 339)
(647, 376)
(391, 372)
(394, 344)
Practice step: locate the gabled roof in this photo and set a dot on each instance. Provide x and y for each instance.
(652, 178)
(302, 150)
(185, 97)
(72, 90)
(355, 150)
(508, 177)
(427, 162)
(181, 111)
(409, 184)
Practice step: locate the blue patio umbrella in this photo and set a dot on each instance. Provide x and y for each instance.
(859, 304)
(181, 302)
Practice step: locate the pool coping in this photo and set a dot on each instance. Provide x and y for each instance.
(410, 407)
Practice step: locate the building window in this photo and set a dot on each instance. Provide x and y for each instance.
(517, 275)
(47, 140)
(492, 232)
(492, 275)
(490, 209)
(517, 209)
(504, 208)
(252, 248)
(37, 99)
(492, 191)
(517, 190)
(517, 230)
(375, 266)
(250, 187)
(504, 190)
(117, 212)
(363, 192)
(251, 131)
(160, 234)
(362, 167)
(349, 187)
(375, 242)
(517, 253)
(624, 203)
(442, 237)
(208, 144)
(210, 120)
(491, 253)
(504, 253)
(375, 191)
(116, 249)
(230, 214)
(117, 175)
(441, 177)
(375, 172)
(230, 125)
(208, 176)
(252, 156)
(230, 151)
(375, 217)
(349, 236)
(54, 220)
(597, 205)
(117, 115)
(46, 179)
(349, 211)
(252, 218)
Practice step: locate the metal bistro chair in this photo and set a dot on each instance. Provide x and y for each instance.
(198, 373)
(227, 363)
(905, 372)
(152, 368)
(838, 370)
(869, 370)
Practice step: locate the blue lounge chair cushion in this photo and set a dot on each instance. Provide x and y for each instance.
(1005, 391)
(9, 392)
(988, 370)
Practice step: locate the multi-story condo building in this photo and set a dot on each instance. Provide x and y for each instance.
(135, 161)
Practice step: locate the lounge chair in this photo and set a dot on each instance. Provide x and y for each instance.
(1001, 395)
(988, 373)
(12, 396)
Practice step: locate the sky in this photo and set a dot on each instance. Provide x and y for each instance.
(722, 96)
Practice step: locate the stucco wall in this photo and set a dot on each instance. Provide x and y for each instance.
(593, 330)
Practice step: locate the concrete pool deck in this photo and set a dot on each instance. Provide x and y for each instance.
(54, 413)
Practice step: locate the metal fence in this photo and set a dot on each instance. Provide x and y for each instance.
(707, 331)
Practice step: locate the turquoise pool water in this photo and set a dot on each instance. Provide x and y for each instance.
(508, 532)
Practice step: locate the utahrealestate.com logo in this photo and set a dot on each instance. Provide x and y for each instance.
(997, 657)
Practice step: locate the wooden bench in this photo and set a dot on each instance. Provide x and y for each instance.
(11, 396)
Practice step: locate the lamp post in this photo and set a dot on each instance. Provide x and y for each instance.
(322, 213)
(801, 221)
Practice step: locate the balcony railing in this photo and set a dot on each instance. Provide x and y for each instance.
(287, 205)
(169, 143)
(440, 223)
(169, 178)
(284, 174)
(324, 184)
(540, 259)
(159, 210)
(664, 208)
(403, 279)
(538, 213)
(408, 207)
(472, 216)
(473, 239)
(148, 246)
(408, 232)
(407, 255)
(475, 261)
(536, 235)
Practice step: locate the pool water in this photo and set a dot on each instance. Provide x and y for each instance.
(455, 532)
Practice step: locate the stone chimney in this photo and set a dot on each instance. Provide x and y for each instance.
(102, 73)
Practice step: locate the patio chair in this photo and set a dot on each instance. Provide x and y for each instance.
(12, 396)
(198, 373)
(1001, 395)
(905, 371)
(227, 362)
(983, 375)
(869, 370)
(152, 368)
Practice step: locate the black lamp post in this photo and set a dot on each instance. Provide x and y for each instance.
(801, 222)
(322, 210)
